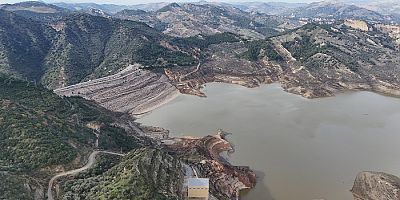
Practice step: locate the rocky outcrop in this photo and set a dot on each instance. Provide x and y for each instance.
(392, 30)
(357, 24)
(203, 154)
(376, 186)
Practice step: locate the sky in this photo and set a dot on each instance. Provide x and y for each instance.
(132, 2)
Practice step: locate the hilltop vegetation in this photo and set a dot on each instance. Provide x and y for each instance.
(204, 41)
(191, 19)
(337, 10)
(23, 46)
(143, 174)
(348, 46)
(40, 129)
(80, 47)
(12, 187)
(37, 10)
(260, 48)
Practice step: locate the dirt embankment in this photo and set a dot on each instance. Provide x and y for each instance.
(133, 91)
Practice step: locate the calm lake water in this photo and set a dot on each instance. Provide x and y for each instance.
(301, 149)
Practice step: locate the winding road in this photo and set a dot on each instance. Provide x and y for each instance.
(89, 164)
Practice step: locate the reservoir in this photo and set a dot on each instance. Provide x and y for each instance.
(300, 149)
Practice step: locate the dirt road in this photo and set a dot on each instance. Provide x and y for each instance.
(89, 164)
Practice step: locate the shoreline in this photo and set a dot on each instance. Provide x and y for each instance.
(212, 166)
(204, 155)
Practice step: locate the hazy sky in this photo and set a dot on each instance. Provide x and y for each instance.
(131, 2)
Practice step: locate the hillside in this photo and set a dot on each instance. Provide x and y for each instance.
(271, 8)
(43, 133)
(80, 47)
(313, 61)
(41, 129)
(142, 174)
(337, 11)
(24, 45)
(347, 55)
(185, 20)
(389, 7)
(36, 10)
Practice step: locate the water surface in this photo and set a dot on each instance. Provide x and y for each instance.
(301, 149)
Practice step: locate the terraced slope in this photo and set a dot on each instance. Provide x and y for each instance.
(133, 90)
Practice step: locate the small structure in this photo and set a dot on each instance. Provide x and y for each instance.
(198, 188)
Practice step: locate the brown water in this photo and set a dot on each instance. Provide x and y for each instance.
(301, 149)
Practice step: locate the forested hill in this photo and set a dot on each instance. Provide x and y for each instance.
(79, 47)
(42, 133)
(41, 129)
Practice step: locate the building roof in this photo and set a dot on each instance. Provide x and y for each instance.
(198, 182)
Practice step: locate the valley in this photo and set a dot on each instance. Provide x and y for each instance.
(103, 101)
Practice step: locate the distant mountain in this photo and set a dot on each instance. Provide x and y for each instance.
(149, 6)
(184, 20)
(36, 10)
(271, 8)
(32, 6)
(110, 8)
(337, 11)
(390, 7)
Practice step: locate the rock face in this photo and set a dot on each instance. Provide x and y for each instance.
(357, 24)
(376, 186)
(203, 155)
(392, 30)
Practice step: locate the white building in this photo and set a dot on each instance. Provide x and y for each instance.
(198, 188)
